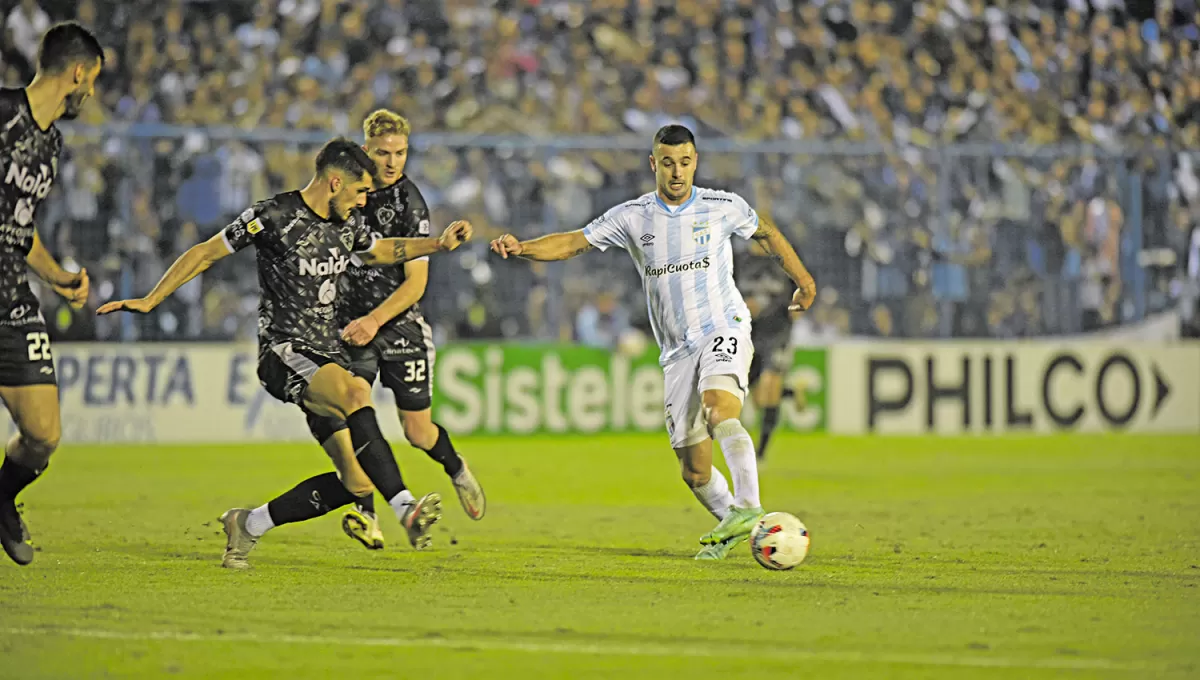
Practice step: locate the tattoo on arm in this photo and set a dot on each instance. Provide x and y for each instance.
(765, 232)
(400, 250)
(582, 250)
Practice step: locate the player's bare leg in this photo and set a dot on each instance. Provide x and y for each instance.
(35, 410)
(335, 392)
(722, 408)
(428, 436)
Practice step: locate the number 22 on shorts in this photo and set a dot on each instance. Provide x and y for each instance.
(39, 347)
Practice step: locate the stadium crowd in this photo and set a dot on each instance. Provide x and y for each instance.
(917, 235)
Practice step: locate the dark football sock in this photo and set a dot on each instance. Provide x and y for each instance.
(770, 418)
(14, 477)
(374, 453)
(443, 452)
(366, 503)
(310, 499)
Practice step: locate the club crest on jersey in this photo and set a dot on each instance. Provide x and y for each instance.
(347, 237)
(254, 226)
(385, 215)
(701, 233)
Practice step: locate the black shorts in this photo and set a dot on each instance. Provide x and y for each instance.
(285, 371)
(770, 354)
(25, 357)
(402, 356)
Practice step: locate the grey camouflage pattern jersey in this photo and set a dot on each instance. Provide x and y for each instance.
(301, 259)
(760, 278)
(29, 161)
(398, 211)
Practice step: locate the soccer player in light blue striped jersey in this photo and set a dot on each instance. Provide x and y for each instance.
(679, 237)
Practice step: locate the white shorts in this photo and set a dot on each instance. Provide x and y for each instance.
(722, 363)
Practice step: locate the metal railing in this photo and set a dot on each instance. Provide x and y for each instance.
(964, 240)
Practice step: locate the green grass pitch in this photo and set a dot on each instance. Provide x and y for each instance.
(933, 558)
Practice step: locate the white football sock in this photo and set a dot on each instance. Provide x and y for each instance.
(738, 448)
(401, 502)
(715, 495)
(259, 521)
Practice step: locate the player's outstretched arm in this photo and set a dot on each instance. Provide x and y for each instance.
(197, 259)
(387, 251)
(775, 243)
(74, 287)
(560, 246)
(363, 329)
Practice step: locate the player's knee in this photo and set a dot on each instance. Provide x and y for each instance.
(719, 409)
(40, 437)
(356, 395)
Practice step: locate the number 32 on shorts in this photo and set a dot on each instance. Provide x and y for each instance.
(39, 347)
(414, 371)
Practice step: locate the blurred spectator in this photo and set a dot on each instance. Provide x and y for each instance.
(601, 322)
(24, 28)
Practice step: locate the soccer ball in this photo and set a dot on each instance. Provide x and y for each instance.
(779, 541)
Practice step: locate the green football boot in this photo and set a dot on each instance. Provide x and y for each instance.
(719, 551)
(739, 522)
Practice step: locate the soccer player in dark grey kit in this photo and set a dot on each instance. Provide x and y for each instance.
(386, 332)
(768, 295)
(304, 241)
(69, 60)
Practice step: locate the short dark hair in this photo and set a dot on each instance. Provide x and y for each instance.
(674, 135)
(65, 45)
(344, 155)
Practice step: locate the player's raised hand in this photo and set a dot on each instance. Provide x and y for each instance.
(76, 291)
(803, 298)
(138, 306)
(455, 234)
(507, 245)
(360, 331)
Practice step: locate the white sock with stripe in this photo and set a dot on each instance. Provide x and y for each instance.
(738, 448)
(715, 495)
(401, 502)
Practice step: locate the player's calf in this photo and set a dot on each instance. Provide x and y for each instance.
(424, 434)
(720, 402)
(435, 441)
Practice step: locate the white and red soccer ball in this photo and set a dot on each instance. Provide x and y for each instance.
(779, 541)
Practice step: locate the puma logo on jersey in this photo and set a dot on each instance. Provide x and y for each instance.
(335, 264)
(20, 177)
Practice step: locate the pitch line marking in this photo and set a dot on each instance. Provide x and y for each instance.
(606, 649)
